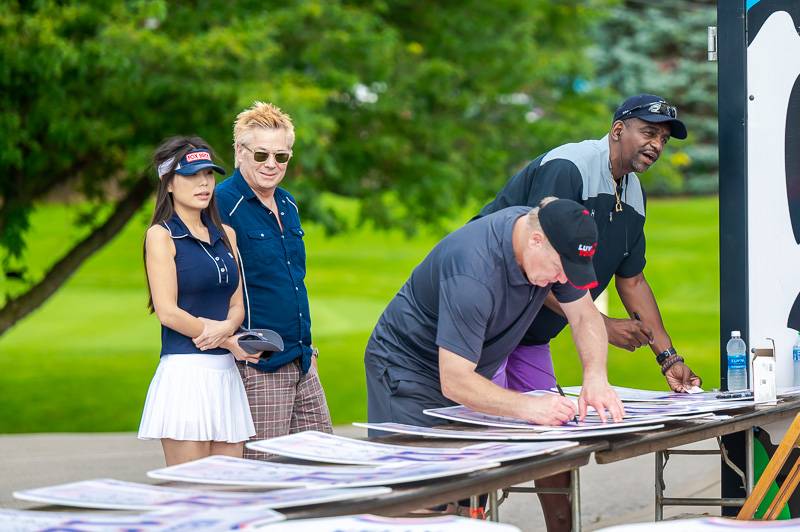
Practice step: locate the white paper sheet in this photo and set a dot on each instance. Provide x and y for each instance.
(498, 434)
(786, 391)
(322, 447)
(112, 494)
(239, 471)
(372, 523)
(209, 520)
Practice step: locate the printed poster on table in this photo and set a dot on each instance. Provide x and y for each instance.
(462, 414)
(118, 495)
(210, 520)
(373, 523)
(322, 447)
(232, 471)
(460, 433)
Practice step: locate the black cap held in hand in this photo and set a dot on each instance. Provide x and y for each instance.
(573, 234)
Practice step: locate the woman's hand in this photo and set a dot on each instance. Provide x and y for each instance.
(214, 333)
(232, 344)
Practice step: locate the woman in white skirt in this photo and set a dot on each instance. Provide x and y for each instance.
(196, 404)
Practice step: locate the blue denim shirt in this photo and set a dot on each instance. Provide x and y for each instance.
(273, 265)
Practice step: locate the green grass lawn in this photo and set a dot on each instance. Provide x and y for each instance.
(84, 360)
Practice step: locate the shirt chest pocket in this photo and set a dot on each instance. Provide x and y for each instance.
(262, 245)
(295, 245)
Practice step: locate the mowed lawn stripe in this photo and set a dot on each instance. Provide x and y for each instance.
(83, 361)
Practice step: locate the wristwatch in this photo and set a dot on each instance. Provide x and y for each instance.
(663, 355)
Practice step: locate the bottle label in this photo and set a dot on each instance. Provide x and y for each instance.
(796, 353)
(737, 361)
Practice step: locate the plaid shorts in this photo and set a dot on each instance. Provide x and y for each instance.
(284, 402)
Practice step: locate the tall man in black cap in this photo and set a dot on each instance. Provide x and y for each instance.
(467, 306)
(600, 174)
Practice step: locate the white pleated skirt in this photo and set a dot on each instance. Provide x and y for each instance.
(197, 397)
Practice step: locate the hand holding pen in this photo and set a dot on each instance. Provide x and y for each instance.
(561, 392)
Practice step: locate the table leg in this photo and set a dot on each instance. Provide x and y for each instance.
(749, 466)
(659, 499)
(575, 499)
(474, 506)
(494, 511)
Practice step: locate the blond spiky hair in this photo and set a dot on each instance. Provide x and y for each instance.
(261, 115)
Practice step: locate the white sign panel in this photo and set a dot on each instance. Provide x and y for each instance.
(773, 188)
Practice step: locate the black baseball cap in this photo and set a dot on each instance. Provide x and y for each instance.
(651, 108)
(256, 340)
(573, 234)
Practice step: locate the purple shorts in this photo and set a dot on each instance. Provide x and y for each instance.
(528, 367)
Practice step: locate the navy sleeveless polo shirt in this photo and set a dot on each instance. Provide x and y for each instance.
(207, 278)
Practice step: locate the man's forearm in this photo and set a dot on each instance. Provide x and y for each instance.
(591, 340)
(637, 296)
(480, 394)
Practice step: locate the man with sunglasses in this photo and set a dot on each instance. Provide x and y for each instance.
(600, 174)
(283, 388)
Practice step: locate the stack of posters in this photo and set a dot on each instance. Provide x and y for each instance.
(459, 432)
(634, 395)
(321, 447)
(462, 414)
(644, 410)
(232, 471)
(215, 519)
(112, 494)
(373, 523)
(639, 403)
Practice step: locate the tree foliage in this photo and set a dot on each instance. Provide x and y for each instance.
(410, 107)
(660, 48)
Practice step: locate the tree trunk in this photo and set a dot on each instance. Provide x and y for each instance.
(20, 306)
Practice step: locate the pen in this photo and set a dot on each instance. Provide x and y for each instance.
(560, 391)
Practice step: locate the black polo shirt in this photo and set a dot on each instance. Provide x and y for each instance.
(580, 172)
(468, 296)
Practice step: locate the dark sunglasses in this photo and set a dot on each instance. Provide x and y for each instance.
(660, 108)
(281, 157)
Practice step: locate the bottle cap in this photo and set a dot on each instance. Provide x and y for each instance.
(736, 334)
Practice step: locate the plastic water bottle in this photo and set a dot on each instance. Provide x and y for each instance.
(737, 362)
(796, 360)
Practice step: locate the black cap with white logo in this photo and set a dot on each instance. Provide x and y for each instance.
(653, 109)
(573, 234)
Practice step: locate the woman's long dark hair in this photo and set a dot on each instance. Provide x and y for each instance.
(176, 148)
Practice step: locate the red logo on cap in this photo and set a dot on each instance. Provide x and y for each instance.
(198, 156)
(585, 212)
(585, 250)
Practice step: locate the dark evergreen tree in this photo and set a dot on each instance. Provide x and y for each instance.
(661, 48)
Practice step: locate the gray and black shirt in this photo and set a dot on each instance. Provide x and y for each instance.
(580, 172)
(469, 296)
